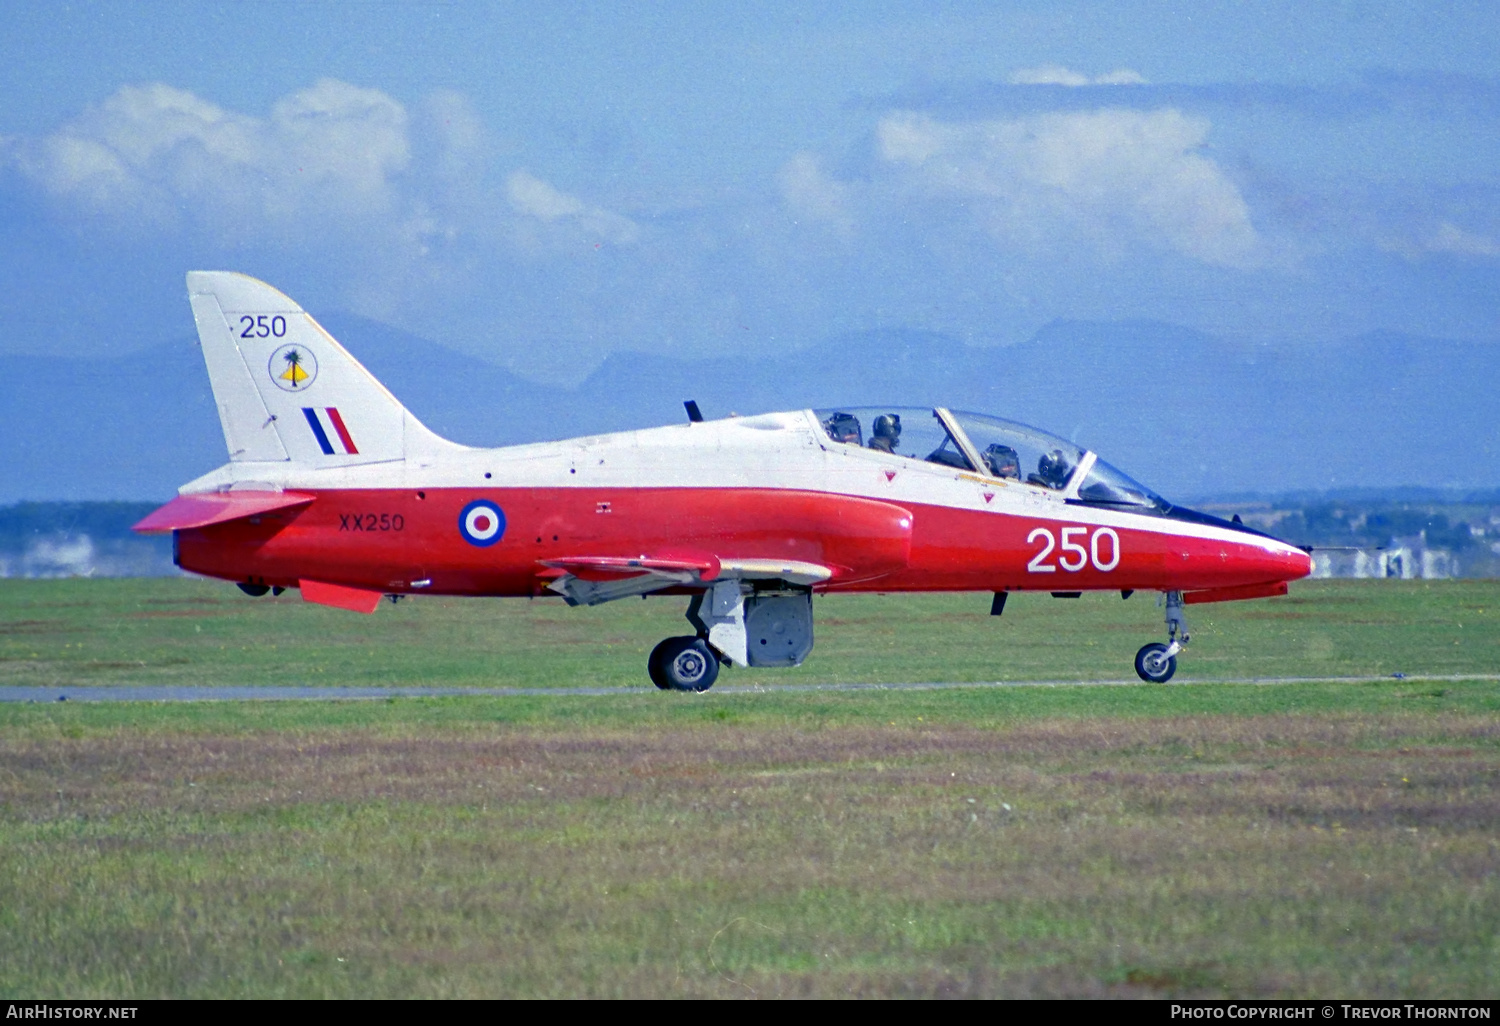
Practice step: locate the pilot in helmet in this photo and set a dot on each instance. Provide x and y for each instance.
(886, 433)
(1003, 461)
(1052, 470)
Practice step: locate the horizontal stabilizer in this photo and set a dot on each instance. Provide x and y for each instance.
(188, 511)
(357, 600)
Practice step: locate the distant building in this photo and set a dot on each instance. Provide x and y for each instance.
(1404, 559)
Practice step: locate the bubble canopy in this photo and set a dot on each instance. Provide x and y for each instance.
(992, 447)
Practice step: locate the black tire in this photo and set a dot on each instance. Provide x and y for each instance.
(654, 665)
(686, 664)
(1151, 667)
(254, 590)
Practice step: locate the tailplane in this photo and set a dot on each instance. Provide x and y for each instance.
(286, 390)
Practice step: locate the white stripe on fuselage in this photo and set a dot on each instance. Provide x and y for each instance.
(772, 451)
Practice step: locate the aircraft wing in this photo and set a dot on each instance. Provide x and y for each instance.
(590, 580)
(187, 511)
(611, 568)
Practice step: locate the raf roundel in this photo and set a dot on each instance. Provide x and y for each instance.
(481, 523)
(293, 368)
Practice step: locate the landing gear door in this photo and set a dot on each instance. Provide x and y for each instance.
(779, 629)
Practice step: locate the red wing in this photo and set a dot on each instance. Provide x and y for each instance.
(703, 567)
(611, 568)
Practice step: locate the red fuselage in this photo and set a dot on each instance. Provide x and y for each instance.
(398, 541)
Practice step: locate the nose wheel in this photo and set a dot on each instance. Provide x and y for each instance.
(1156, 663)
(683, 664)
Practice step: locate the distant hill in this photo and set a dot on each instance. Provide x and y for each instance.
(1187, 413)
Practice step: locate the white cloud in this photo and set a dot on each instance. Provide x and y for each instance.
(1118, 177)
(458, 133)
(329, 166)
(1419, 241)
(813, 195)
(1450, 238)
(530, 195)
(326, 156)
(533, 197)
(1056, 74)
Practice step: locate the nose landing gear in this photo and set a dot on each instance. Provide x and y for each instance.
(1156, 663)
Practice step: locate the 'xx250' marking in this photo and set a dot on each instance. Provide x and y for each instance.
(1080, 556)
(371, 522)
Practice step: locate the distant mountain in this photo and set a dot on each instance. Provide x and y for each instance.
(1187, 413)
(124, 428)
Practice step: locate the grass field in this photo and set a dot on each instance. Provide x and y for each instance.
(1198, 838)
(177, 631)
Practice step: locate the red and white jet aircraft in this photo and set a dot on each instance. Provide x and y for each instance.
(334, 488)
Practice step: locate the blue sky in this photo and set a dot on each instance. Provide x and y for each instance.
(542, 185)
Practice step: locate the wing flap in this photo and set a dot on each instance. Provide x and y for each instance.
(201, 510)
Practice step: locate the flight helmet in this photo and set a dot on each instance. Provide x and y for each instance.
(1003, 461)
(1053, 468)
(844, 427)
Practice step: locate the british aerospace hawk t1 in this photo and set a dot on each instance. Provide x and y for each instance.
(333, 487)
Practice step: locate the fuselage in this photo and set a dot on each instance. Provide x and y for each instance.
(773, 486)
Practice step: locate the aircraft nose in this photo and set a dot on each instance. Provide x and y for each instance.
(1277, 561)
(1292, 563)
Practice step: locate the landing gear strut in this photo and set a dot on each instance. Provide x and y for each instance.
(738, 625)
(1155, 663)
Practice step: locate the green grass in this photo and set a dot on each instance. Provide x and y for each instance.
(78, 633)
(1212, 839)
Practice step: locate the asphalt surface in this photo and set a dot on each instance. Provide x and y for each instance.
(149, 693)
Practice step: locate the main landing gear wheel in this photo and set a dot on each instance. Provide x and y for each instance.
(683, 664)
(1153, 665)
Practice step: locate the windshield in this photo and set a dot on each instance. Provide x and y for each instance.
(1107, 486)
(915, 433)
(1019, 452)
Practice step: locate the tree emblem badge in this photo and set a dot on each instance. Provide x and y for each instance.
(293, 368)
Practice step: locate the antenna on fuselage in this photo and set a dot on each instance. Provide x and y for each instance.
(694, 415)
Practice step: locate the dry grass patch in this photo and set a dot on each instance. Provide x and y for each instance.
(1271, 855)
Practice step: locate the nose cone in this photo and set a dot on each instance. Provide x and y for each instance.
(1289, 563)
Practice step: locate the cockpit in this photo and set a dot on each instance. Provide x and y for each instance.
(991, 447)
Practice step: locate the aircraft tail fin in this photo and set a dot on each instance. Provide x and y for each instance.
(286, 390)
